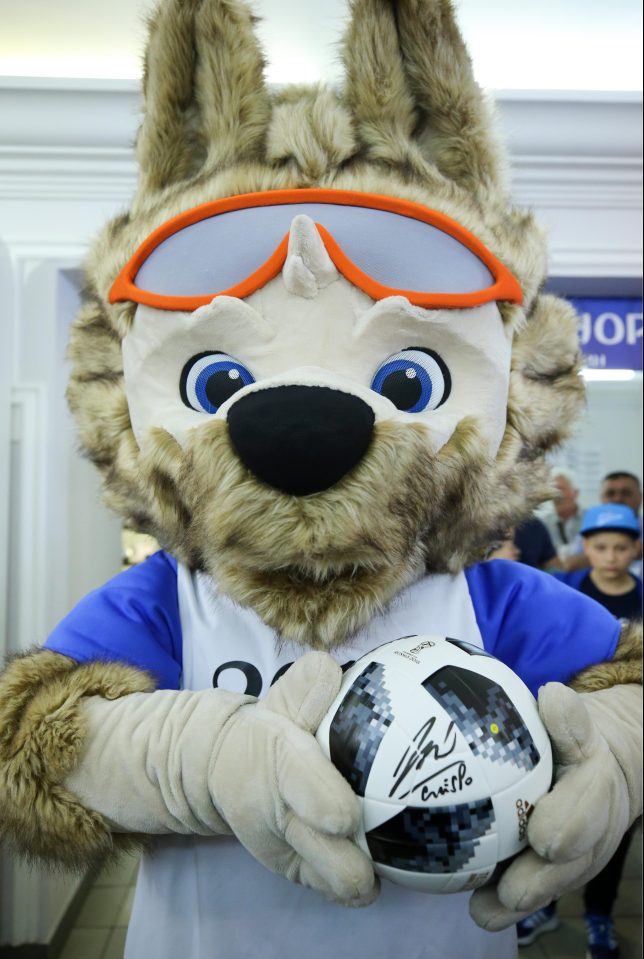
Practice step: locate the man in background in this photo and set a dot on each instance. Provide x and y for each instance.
(562, 516)
(624, 488)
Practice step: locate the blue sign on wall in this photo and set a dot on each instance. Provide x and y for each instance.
(610, 332)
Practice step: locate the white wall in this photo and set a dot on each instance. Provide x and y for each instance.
(66, 164)
(608, 437)
(60, 542)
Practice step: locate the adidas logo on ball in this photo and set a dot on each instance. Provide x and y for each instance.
(524, 808)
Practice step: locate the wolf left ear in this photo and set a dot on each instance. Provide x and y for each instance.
(206, 103)
(412, 93)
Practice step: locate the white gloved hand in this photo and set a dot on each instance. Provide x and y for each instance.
(213, 762)
(576, 828)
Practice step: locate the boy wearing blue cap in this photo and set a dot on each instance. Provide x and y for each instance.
(610, 533)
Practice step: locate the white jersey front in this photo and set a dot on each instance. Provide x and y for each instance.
(209, 899)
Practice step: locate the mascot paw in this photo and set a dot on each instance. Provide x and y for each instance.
(575, 829)
(300, 815)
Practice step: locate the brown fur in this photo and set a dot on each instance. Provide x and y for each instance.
(310, 132)
(318, 568)
(41, 740)
(421, 87)
(376, 93)
(625, 666)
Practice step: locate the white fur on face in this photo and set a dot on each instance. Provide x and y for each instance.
(310, 326)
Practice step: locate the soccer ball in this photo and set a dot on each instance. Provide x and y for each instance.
(445, 748)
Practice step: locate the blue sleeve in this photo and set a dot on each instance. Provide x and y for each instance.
(133, 618)
(539, 627)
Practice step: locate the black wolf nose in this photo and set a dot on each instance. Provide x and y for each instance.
(300, 439)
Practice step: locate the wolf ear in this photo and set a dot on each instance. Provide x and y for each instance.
(412, 93)
(205, 100)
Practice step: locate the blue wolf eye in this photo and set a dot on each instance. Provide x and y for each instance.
(414, 380)
(209, 379)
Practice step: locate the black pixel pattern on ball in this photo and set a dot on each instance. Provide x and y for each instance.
(438, 840)
(469, 648)
(359, 725)
(482, 711)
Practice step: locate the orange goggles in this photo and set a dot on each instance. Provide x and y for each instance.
(384, 246)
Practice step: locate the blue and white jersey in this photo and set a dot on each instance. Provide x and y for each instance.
(176, 625)
(208, 898)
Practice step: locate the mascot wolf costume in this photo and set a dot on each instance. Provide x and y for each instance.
(315, 363)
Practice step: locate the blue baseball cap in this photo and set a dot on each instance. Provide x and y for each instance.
(610, 517)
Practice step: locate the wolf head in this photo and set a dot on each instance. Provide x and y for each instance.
(316, 426)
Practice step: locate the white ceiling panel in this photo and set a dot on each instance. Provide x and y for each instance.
(549, 45)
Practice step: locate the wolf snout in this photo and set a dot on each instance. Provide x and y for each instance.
(300, 439)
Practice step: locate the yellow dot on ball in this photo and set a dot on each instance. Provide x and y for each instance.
(494, 728)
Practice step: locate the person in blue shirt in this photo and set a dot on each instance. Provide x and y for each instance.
(610, 534)
(535, 545)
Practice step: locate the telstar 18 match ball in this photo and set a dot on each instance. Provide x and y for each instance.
(445, 748)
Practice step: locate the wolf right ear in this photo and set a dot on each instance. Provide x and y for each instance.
(412, 93)
(206, 103)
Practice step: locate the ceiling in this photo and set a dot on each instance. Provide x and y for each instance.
(544, 45)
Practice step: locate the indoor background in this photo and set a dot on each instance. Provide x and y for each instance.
(567, 78)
